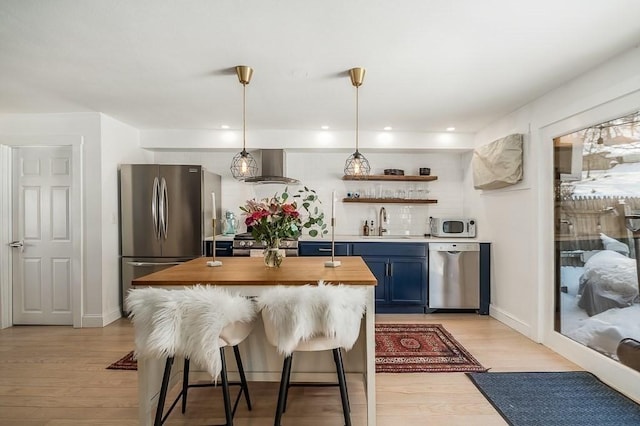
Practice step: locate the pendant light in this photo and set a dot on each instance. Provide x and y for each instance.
(356, 164)
(243, 165)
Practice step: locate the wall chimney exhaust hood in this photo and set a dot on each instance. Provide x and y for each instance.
(272, 168)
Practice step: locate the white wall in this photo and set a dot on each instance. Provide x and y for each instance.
(86, 125)
(119, 145)
(519, 219)
(322, 171)
(101, 154)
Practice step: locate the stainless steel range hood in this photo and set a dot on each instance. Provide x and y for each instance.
(272, 168)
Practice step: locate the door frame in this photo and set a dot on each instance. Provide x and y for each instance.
(7, 142)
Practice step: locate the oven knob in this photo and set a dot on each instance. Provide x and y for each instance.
(249, 243)
(286, 243)
(241, 243)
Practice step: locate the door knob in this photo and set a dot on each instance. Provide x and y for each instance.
(16, 244)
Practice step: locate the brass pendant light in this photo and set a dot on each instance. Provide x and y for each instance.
(243, 165)
(357, 164)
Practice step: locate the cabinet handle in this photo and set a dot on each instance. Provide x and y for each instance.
(386, 269)
(221, 249)
(390, 269)
(324, 249)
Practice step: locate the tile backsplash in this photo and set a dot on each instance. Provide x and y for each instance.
(322, 171)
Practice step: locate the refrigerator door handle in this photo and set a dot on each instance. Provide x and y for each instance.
(164, 208)
(154, 207)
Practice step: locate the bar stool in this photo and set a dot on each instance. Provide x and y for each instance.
(312, 318)
(196, 324)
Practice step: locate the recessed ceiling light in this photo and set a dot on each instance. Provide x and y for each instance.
(324, 127)
(224, 126)
(387, 128)
(450, 129)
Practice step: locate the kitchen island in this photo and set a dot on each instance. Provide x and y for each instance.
(248, 276)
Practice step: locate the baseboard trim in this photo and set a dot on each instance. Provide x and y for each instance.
(94, 321)
(511, 321)
(112, 316)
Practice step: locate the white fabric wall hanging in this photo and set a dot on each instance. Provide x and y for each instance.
(498, 164)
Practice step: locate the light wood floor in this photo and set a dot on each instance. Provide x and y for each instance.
(57, 376)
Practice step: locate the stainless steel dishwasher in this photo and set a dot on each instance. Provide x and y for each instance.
(454, 275)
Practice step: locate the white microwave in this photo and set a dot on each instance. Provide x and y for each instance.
(452, 227)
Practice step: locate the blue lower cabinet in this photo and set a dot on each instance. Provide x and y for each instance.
(485, 278)
(402, 278)
(317, 248)
(407, 279)
(223, 248)
(378, 266)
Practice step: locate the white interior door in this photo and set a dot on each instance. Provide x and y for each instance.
(42, 222)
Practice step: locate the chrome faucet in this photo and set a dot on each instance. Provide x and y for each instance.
(382, 219)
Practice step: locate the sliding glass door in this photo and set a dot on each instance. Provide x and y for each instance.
(597, 235)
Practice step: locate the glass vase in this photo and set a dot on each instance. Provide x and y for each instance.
(272, 256)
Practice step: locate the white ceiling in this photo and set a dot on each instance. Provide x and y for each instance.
(160, 64)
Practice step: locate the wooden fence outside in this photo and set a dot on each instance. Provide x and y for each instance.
(580, 220)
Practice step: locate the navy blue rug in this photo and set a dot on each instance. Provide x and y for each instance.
(556, 398)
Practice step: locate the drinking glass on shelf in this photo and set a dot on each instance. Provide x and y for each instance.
(370, 192)
(423, 193)
(411, 192)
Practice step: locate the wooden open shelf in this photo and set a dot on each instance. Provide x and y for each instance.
(389, 200)
(393, 178)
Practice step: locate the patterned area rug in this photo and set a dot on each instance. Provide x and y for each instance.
(421, 348)
(400, 348)
(127, 362)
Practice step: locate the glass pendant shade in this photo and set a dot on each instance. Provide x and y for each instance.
(243, 166)
(357, 165)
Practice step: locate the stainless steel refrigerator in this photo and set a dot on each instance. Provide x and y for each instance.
(165, 215)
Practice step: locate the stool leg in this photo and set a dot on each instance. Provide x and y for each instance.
(185, 384)
(163, 391)
(343, 387)
(284, 384)
(243, 379)
(286, 392)
(339, 357)
(225, 390)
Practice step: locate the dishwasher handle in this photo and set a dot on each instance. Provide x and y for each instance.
(454, 247)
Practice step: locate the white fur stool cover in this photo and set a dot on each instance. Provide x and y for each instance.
(300, 313)
(185, 323)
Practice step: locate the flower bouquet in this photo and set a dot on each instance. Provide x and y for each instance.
(275, 218)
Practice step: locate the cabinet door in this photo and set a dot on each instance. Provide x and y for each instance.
(407, 280)
(223, 248)
(378, 266)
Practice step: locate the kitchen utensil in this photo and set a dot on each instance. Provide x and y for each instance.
(394, 172)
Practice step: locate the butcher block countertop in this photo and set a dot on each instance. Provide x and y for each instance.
(252, 271)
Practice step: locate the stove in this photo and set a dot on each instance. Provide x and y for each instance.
(246, 245)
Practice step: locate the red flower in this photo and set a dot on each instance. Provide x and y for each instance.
(255, 216)
(290, 210)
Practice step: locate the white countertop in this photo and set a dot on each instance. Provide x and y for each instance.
(221, 238)
(391, 239)
(373, 239)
